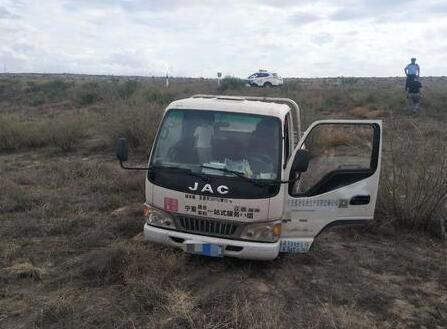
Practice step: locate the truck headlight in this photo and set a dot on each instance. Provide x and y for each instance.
(158, 217)
(265, 232)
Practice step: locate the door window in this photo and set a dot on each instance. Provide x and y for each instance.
(340, 154)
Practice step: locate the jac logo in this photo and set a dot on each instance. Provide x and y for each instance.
(221, 189)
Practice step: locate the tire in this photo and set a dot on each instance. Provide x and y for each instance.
(267, 85)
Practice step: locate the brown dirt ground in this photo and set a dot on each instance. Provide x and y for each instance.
(68, 259)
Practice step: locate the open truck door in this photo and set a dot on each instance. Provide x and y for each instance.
(339, 183)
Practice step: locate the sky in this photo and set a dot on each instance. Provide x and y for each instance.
(198, 38)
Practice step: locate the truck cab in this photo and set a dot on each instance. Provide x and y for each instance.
(235, 176)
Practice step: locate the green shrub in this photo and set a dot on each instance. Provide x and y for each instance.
(137, 122)
(155, 95)
(231, 83)
(66, 133)
(40, 93)
(128, 88)
(15, 133)
(413, 186)
(108, 91)
(10, 137)
(36, 133)
(88, 93)
(88, 98)
(52, 87)
(10, 88)
(337, 100)
(349, 81)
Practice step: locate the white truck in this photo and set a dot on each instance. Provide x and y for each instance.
(235, 176)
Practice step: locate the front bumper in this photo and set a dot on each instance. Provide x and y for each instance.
(232, 248)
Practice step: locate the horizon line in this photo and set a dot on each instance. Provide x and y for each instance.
(207, 78)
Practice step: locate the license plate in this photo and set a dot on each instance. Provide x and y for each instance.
(293, 246)
(205, 249)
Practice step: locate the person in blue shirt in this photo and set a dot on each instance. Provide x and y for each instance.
(411, 71)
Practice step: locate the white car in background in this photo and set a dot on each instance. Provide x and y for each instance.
(264, 78)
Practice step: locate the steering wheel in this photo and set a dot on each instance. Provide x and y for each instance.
(260, 157)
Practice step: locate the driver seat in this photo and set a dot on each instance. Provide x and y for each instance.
(263, 137)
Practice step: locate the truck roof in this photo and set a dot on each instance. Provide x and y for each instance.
(231, 104)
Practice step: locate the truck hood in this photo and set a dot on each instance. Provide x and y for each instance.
(209, 206)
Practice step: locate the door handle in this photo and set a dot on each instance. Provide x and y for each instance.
(360, 200)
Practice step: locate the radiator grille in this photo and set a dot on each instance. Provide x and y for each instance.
(207, 226)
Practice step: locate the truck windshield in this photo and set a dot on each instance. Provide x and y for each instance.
(202, 140)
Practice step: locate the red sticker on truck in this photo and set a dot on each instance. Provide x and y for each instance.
(171, 204)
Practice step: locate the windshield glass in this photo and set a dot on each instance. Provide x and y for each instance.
(194, 139)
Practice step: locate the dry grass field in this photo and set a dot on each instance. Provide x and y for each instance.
(71, 253)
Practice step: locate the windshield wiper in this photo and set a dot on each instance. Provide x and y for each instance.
(234, 172)
(180, 170)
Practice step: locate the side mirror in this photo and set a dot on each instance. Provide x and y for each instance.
(301, 161)
(122, 149)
